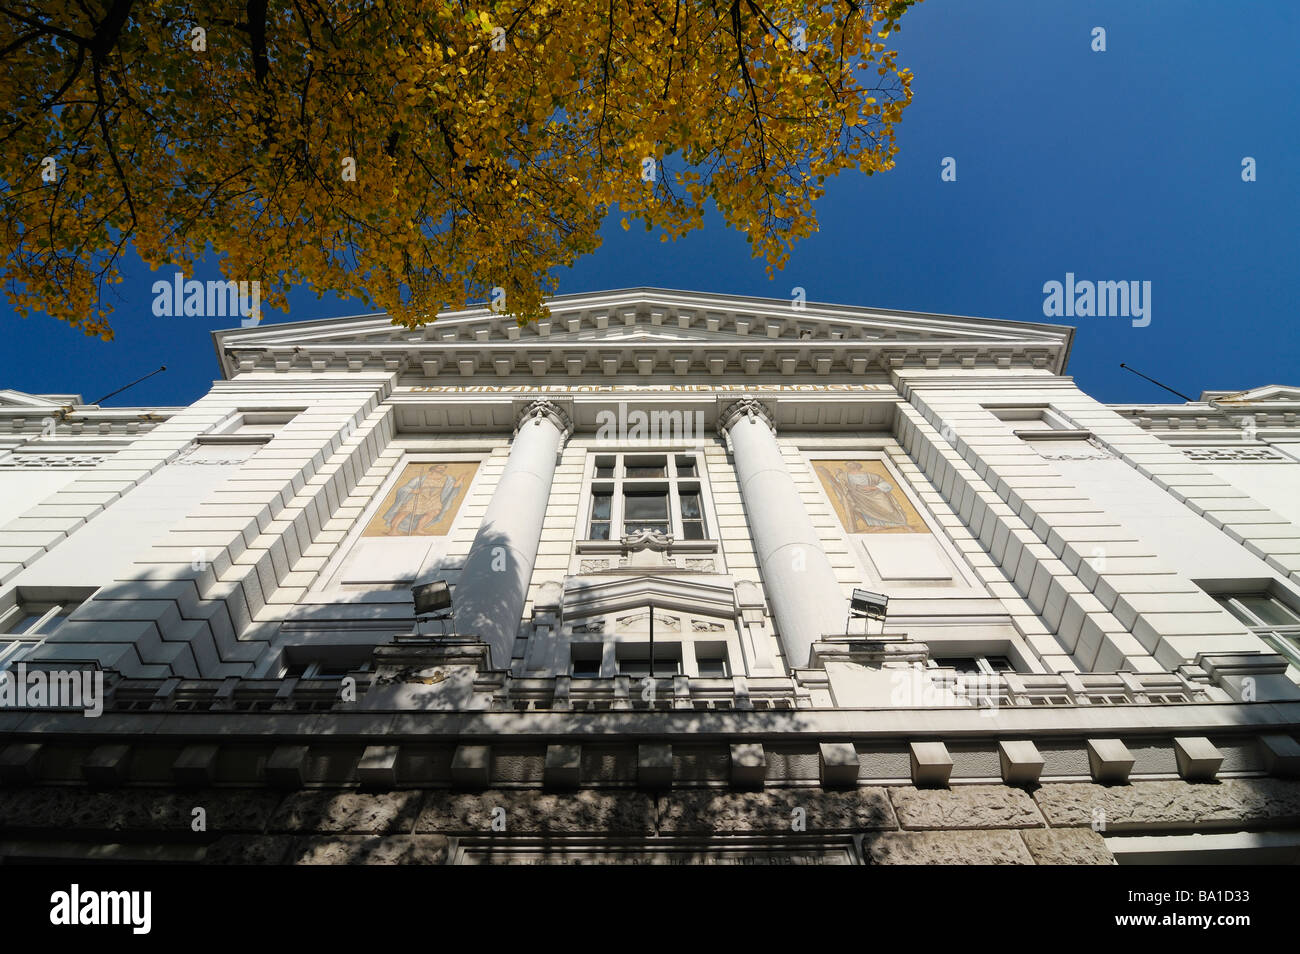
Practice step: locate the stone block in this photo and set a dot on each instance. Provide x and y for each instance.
(377, 767)
(1198, 759)
(284, 767)
(946, 848)
(1172, 805)
(531, 812)
(248, 850)
(20, 763)
(370, 813)
(931, 764)
(106, 764)
(1110, 761)
(654, 765)
(1067, 846)
(135, 810)
(563, 766)
(838, 763)
(965, 807)
(748, 764)
(360, 850)
(1021, 763)
(471, 766)
(778, 810)
(196, 765)
(1281, 755)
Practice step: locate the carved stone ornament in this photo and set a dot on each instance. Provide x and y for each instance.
(669, 623)
(1249, 454)
(418, 675)
(747, 406)
(209, 461)
(39, 461)
(646, 539)
(1098, 452)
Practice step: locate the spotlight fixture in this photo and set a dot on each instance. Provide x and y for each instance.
(433, 601)
(868, 605)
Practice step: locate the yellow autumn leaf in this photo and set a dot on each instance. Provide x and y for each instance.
(378, 162)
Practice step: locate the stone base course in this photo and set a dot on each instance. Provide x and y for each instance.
(974, 824)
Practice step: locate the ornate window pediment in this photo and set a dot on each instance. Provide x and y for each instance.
(602, 629)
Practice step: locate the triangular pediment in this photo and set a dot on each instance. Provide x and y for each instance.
(21, 399)
(584, 597)
(646, 330)
(1268, 394)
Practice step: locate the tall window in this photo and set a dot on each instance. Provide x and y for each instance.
(634, 492)
(1268, 618)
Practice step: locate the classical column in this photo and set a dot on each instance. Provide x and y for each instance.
(489, 598)
(806, 599)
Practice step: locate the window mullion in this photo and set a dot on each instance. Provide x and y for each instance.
(1236, 605)
(676, 529)
(616, 529)
(49, 614)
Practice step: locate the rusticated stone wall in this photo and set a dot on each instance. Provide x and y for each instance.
(979, 824)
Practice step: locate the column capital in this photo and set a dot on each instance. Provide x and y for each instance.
(747, 406)
(536, 410)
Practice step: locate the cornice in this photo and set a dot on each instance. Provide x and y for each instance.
(82, 422)
(1213, 422)
(535, 360)
(672, 332)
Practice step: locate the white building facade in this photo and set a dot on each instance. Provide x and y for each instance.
(653, 510)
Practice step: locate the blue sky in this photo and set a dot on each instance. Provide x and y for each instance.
(1122, 165)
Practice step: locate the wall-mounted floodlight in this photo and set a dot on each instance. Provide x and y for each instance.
(433, 601)
(868, 605)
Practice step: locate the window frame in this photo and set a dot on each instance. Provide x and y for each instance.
(668, 662)
(711, 651)
(618, 487)
(1282, 638)
(983, 663)
(250, 425)
(10, 652)
(42, 612)
(609, 647)
(34, 633)
(312, 669)
(1018, 415)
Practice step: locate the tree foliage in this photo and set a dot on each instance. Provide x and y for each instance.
(418, 154)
